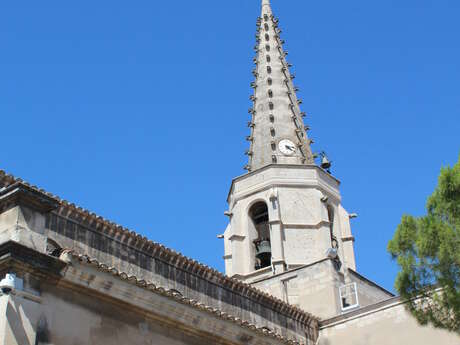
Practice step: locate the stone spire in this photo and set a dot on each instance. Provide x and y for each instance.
(278, 134)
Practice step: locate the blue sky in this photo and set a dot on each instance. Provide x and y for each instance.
(138, 110)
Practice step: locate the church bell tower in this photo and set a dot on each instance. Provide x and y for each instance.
(285, 213)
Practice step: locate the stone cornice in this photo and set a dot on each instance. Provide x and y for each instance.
(19, 193)
(267, 185)
(288, 272)
(236, 237)
(262, 271)
(278, 166)
(348, 238)
(316, 226)
(14, 255)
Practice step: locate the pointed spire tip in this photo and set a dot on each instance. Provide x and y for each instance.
(266, 7)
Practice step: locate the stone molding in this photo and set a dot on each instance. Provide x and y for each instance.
(19, 193)
(317, 226)
(266, 167)
(278, 183)
(349, 238)
(290, 272)
(262, 271)
(236, 237)
(14, 255)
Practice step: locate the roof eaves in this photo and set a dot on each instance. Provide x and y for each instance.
(162, 252)
(175, 295)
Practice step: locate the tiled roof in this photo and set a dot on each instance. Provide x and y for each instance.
(170, 256)
(175, 295)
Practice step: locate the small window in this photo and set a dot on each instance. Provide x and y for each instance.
(349, 296)
(268, 58)
(271, 105)
(269, 69)
(272, 132)
(267, 37)
(266, 27)
(270, 93)
(266, 17)
(267, 48)
(269, 81)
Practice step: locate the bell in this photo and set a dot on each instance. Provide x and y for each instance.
(264, 253)
(263, 247)
(325, 163)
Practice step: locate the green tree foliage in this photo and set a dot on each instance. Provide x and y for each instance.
(427, 249)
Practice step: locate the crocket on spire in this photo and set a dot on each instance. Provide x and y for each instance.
(278, 134)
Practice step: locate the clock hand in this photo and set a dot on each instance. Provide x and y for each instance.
(291, 148)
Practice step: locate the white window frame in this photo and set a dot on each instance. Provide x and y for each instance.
(341, 296)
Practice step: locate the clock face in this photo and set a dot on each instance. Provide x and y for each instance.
(287, 147)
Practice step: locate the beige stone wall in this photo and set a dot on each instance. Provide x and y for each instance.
(368, 292)
(313, 288)
(71, 319)
(316, 288)
(390, 324)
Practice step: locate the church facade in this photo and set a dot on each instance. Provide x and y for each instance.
(70, 277)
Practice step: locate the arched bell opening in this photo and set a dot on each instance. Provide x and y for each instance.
(258, 214)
